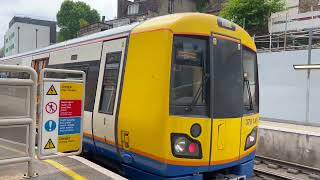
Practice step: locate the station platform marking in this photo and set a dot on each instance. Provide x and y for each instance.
(66, 170)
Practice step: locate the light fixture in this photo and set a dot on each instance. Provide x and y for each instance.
(306, 66)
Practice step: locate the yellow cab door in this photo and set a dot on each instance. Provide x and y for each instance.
(227, 99)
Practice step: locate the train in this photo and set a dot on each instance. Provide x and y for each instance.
(173, 97)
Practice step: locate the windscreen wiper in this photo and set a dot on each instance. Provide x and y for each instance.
(196, 97)
(247, 83)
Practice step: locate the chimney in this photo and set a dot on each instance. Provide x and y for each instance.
(103, 19)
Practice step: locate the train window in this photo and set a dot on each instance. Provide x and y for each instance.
(228, 79)
(250, 96)
(189, 92)
(110, 82)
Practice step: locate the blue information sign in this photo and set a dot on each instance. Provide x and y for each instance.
(50, 125)
(69, 125)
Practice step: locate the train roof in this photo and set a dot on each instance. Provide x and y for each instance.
(91, 37)
(197, 24)
(180, 23)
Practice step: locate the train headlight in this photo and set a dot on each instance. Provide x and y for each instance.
(184, 146)
(180, 145)
(251, 138)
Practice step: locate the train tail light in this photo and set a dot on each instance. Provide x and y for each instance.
(251, 138)
(184, 146)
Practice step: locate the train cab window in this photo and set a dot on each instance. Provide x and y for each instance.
(110, 82)
(250, 96)
(189, 92)
(228, 78)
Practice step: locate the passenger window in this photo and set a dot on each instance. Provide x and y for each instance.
(110, 82)
(250, 94)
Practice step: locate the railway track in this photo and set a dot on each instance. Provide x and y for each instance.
(268, 168)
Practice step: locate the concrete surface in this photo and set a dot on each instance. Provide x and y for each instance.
(289, 142)
(82, 170)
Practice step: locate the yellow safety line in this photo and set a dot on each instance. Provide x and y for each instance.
(66, 170)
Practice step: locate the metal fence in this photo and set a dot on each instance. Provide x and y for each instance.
(288, 41)
(18, 115)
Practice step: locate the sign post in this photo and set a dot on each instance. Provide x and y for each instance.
(62, 106)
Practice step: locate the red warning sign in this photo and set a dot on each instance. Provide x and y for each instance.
(51, 107)
(70, 108)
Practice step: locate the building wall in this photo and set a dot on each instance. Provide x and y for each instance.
(308, 5)
(27, 37)
(184, 6)
(10, 42)
(150, 8)
(214, 6)
(299, 15)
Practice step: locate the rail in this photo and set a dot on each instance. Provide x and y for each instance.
(278, 169)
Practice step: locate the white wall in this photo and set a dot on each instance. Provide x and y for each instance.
(283, 90)
(27, 37)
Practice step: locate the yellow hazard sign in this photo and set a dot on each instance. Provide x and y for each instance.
(49, 145)
(52, 91)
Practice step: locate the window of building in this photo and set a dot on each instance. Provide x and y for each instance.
(110, 82)
(133, 9)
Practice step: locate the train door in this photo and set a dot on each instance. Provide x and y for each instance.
(105, 107)
(228, 99)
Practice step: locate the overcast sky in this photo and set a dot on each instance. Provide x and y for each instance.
(46, 10)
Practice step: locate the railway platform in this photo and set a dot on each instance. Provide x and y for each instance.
(62, 168)
(289, 142)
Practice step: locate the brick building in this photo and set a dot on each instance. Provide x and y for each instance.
(141, 9)
(309, 5)
(298, 15)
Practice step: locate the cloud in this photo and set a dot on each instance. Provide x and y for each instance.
(46, 10)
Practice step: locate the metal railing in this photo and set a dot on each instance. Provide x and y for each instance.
(288, 41)
(10, 118)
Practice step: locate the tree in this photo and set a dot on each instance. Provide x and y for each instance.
(251, 14)
(73, 15)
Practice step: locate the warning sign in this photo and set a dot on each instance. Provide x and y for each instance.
(52, 91)
(51, 107)
(62, 116)
(49, 145)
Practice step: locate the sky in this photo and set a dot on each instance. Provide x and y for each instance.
(46, 10)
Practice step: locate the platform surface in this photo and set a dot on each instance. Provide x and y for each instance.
(267, 123)
(62, 168)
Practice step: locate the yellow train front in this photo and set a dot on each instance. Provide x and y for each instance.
(189, 99)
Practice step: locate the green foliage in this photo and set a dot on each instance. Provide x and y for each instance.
(252, 14)
(201, 4)
(73, 15)
(83, 23)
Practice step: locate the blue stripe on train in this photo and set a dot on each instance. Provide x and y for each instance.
(156, 167)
